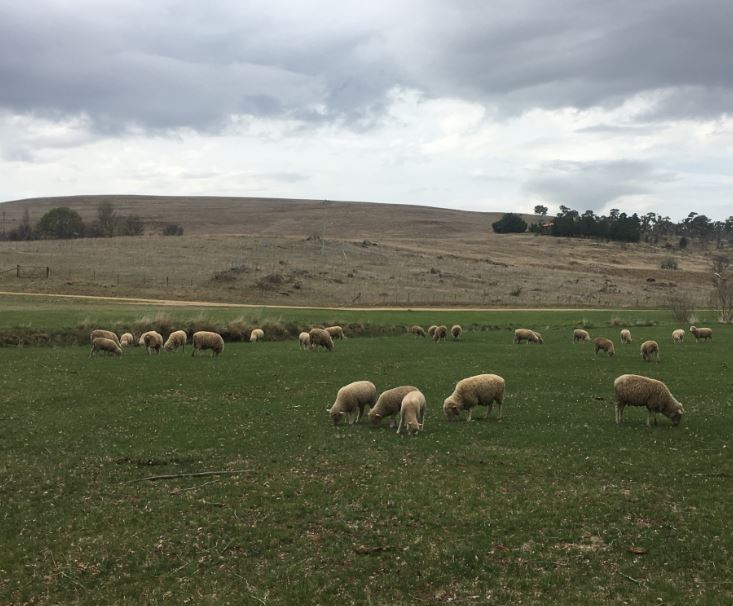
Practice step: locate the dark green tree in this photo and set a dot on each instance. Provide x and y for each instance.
(61, 222)
(510, 223)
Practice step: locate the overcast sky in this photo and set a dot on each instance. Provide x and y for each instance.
(473, 104)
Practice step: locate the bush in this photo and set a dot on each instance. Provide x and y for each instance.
(172, 229)
(669, 263)
(510, 223)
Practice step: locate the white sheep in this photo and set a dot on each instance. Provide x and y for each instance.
(702, 333)
(305, 340)
(456, 331)
(431, 330)
(351, 400)
(678, 336)
(635, 390)
(524, 334)
(126, 339)
(257, 334)
(203, 339)
(336, 332)
(649, 348)
(479, 390)
(176, 339)
(320, 338)
(152, 341)
(106, 345)
(440, 333)
(388, 404)
(603, 344)
(625, 336)
(418, 331)
(104, 334)
(580, 335)
(412, 413)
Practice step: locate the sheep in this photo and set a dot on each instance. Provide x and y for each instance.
(104, 344)
(336, 332)
(580, 335)
(350, 399)
(601, 343)
(126, 339)
(431, 330)
(440, 333)
(104, 334)
(648, 348)
(203, 339)
(479, 390)
(625, 336)
(257, 334)
(152, 341)
(524, 334)
(456, 331)
(388, 404)
(418, 331)
(176, 339)
(635, 390)
(305, 340)
(678, 335)
(320, 338)
(701, 333)
(412, 413)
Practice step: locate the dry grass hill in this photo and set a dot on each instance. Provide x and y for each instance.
(328, 253)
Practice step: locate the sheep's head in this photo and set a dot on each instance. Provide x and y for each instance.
(538, 338)
(374, 417)
(675, 413)
(413, 427)
(336, 415)
(693, 329)
(451, 408)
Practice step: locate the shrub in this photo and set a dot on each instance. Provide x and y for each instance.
(510, 223)
(172, 229)
(669, 263)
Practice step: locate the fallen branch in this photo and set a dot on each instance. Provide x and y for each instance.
(196, 474)
(626, 576)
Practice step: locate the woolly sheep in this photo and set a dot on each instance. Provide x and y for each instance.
(601, 343)
(431, 330)
(321, 338)
(648, 348)
(418, 331)
(257, 334)
(412, 413)
(678, 335)
(479, 390)
(336, 332)
(350, 399)
(388, 404)
(635, 390)
(104, 334)
(580, 335)
(176, 339)
(524, 334)
(456, 331)
(104, 344)
(625, 336)
(152, 341)
(203, 339)
(305, 340)
(126, 339)
(701, 333)
(440, 333)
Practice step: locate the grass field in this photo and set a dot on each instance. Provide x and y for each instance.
(547, 506)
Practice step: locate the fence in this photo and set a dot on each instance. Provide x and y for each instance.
(28, 271)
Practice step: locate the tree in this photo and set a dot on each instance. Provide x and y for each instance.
(61, 222)
(24, 231)
(132, 225)
(510, 223)
(106, 219)
(540, 210)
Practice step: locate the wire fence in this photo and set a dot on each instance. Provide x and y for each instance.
(28, 271)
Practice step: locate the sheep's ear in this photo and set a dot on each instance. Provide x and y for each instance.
(376, 414)
(328, 410)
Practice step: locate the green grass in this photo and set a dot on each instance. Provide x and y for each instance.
(540, 508)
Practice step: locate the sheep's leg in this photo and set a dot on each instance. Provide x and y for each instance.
(468, 419)
(619, 413)
(651, 417)
(488, 409)
(399, 428)
(422, 418)
(392, 421)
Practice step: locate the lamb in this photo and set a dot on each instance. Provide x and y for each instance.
(176, 339)
(431, 330)
(635, 390)
(104, 334)
(104, 344)
(626, 336)
(320, 338)
(388, 404)
(305, 340)
(456, 331)
(601, 343)
(412, 413)
(336, 332)
(126, 339)
(648, 348)
(203, 339)
(418, 331)
(152, 341)
(350, 399)
(580, 335)
(440, 333)
(479, 390)
(701, 333)
(678, 335)
(524, 334)
(257, 334)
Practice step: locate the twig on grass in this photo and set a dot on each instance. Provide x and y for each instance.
(193, 474)
(626, 576)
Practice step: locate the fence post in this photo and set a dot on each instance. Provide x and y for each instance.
(48, 272)
(17, 271)
(166, 281)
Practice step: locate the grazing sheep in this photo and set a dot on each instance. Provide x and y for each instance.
(635, 390)
(601, 343)
(431, 330)
(580, 335)
(336, 332)
(203, 339)
(456, 331)
(648, 348)
(480, 390)
(152, 341)
(350, 399)
(176, 339)
(440, 333)
(305, 340)
(104, 334)
(412, 413)
(388, 404)
(626, 336)
(524, 334)
(701, 333)
(104, 344)
(257, 334)
(321, 338)
(126, 339)
(678, 335)
(418, 331)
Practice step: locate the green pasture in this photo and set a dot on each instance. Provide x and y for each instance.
(555, 504)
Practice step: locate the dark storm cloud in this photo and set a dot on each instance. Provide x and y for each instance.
(187, 64)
